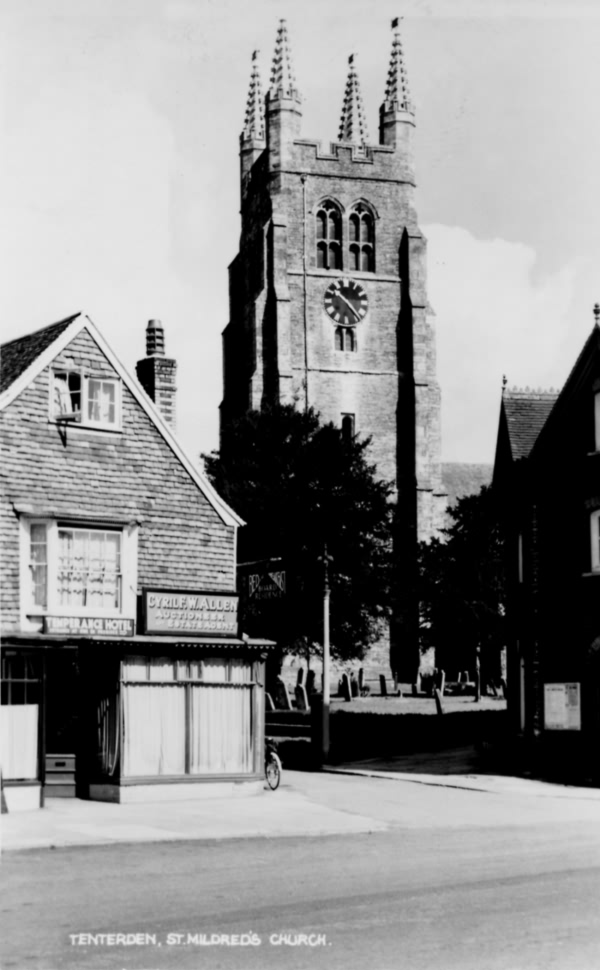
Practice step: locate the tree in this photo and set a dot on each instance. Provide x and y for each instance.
(303, 488)
(462, 588)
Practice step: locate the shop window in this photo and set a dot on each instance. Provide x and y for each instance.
(77, 571)
(86, 400)
(345, 339)
(187, 718)
(329, 236)
(595, 539)
(19, 717)
(361, 233)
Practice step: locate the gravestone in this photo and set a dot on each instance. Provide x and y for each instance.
(346, 689)
(282, 698)
(438, 701)
(382, 685)
(310, 682)
(269, 702)
(301, 698)
(300, 677)
(441, 681)
(361, 679)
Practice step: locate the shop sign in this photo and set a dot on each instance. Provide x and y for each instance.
(191, 614)
(111, 626)
(268, 585)
(562, 707)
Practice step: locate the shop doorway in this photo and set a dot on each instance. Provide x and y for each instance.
(61, 724)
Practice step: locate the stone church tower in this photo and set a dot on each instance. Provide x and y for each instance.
(328, 301)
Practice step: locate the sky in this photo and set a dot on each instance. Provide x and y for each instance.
(119, 176)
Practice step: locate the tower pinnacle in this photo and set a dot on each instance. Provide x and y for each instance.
(396, 91)
(353, 125)
(283, 82)
(254, 122)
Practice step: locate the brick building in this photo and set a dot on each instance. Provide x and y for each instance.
(122, 664)
(328, 299)
(547, 474)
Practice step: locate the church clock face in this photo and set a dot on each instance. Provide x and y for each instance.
(346, 302)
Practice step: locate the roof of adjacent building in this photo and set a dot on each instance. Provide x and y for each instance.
(21, 360)
(17, 355)
(464, 478)
(526, 414)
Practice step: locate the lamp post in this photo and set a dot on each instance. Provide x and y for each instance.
(326, 678)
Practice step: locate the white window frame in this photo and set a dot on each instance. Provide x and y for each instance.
(32, 614)
(595, 540)
(82, 420)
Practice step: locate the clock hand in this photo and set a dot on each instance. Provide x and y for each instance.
(348, 304)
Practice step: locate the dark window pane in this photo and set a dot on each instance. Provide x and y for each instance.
(354, 227)
(321, 225)
(322, 256)
(366, 233)
(335, 225)
(335, 260)
(339, 339)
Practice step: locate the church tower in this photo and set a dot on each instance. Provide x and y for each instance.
(328, 300)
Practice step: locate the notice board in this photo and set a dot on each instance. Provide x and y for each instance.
(562, 707)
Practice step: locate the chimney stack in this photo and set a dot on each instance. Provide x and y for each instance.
(156, 373)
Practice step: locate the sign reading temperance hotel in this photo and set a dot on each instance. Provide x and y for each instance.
(190, 613)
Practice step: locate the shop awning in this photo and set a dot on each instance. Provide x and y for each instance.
(46, 640)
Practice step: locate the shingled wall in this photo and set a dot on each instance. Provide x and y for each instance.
(131, 475)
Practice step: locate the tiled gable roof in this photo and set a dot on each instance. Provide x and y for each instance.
(526, 414)
(17, 355)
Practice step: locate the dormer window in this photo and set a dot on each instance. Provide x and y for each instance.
(86, 400)
(361, 227)
(329, 236)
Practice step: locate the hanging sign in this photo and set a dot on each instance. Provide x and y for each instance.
(190, 613)
(112, 626)
(562, 707)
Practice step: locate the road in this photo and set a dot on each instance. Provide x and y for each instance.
(460, 879)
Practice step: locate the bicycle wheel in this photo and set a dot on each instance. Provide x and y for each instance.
(273, 771)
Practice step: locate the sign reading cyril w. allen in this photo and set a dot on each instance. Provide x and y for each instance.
(191, 614)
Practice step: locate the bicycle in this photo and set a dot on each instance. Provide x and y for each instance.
(272, 764)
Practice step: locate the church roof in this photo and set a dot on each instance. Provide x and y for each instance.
(254, 122)
(464, 478)
(526, 413)
(353, 124)
(397, 90)
(283, 81)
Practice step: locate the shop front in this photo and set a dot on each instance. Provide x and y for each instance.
(132, 718)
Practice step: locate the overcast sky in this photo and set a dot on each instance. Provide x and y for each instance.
(119, 175)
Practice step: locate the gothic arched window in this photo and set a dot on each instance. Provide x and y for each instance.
(329, 236)
(361, 232)
(345, 339)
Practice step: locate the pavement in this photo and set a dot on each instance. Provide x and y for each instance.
(286, 812)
